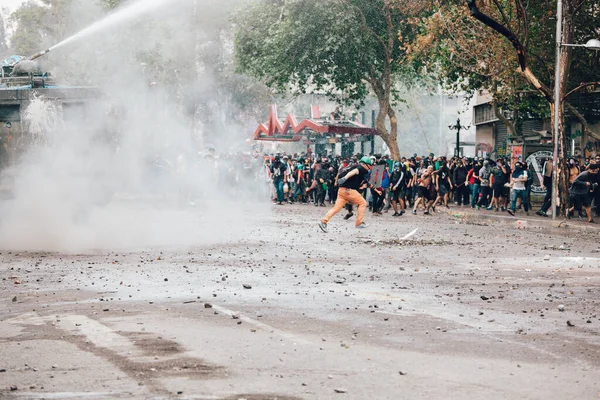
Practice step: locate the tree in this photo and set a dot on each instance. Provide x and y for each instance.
(346, 49)
(508, 47)
(570, 9)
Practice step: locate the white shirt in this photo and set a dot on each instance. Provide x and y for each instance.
(520, 185)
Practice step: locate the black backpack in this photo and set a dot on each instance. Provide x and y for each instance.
(344, 171)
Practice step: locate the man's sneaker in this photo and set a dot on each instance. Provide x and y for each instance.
(489, 207)
(426, 213)
(402, 212)
(503, 209)
(541, 213)
(349, 215)
(361, 226)
(511, 212)
(396, 214)
(414, 212)
(323, 226)
(478, 208)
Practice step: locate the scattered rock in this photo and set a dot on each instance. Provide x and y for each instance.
(402, 373)
(561, 307)
(340, 390)
(166, 279)
(2, 369)
(13, 387)
(484, 297)
(14, 299)
(569, 323)
(247, 286)
(339, 281)
(235, 316)
(207, 305)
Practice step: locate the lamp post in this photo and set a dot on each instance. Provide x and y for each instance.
(457, 127)
(592, 44)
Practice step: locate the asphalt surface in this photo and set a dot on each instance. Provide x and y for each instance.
(452, 306)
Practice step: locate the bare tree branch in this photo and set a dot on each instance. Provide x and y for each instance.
(503, 119)
(501, 10)
(501, 29)
(578, 88)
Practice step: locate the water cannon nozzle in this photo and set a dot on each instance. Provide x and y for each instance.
(39, 54)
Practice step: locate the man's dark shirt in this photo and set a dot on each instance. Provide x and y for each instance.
(357, 180)
(443, 175)
(499, 176)
(579, 186)
(323, 173)
(460, 174)
(278, 170)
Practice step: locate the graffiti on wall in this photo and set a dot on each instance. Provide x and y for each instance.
(483, 150)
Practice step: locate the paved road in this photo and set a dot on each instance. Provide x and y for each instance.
(463, 308)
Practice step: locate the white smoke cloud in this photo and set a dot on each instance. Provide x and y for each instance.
(125, 171)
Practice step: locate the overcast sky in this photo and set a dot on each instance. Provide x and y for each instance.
(11, 4)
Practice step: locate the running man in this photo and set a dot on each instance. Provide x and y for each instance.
(349, 186)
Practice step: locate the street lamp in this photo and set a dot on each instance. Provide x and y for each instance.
(592, 44)
(457, 127)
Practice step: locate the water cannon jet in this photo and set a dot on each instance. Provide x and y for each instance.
(38, 54)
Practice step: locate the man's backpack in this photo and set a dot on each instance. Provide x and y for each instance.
(344, 171)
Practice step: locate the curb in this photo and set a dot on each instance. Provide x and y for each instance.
(523, 222)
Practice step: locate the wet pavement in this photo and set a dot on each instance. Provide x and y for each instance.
(445, 306)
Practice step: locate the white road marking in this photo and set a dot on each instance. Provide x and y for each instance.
(260, 325)
(95, 332)
(409, 234)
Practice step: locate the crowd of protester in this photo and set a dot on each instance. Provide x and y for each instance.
(420, 184)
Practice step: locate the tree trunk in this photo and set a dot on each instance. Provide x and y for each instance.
(389, 137)
(563, 141)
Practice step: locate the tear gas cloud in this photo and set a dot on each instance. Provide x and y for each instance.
(124, 171)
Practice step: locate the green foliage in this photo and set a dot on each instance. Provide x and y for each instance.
(336, 47)
(468, 56)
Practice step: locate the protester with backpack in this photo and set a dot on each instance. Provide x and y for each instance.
(351, 180)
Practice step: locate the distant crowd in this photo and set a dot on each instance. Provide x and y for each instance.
(420, 184)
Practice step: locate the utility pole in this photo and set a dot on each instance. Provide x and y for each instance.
(556, 107)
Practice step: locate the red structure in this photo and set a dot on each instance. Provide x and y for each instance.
(315, 129)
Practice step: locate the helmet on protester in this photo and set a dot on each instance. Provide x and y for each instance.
(366, 160)
(397, 165)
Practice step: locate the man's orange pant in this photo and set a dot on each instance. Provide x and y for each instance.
(348, 196)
